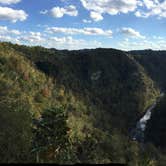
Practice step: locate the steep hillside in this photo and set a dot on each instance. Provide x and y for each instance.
(78, 108)
(26, 96)
(154, 64)
(156, 127)
(106, 78)
(20, 86)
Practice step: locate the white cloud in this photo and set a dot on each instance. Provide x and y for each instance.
(43, 11)
(153, 8)
(131, 32)
(99, 7)
(84, 31)
(71, 43)
(149, 3)
(58, 12)
(5, 31)
(9, 38)
(5, 38)
(86, 21)
(142, 8)
(44, 39)
(12, 14)
(8, 2)
(96, 16)
(32, 37)
(158, 37)
(149, 43)
(67, 42)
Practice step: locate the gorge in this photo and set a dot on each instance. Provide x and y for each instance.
(67, 107)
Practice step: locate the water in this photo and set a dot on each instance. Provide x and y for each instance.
(138, 133)
(141, 124)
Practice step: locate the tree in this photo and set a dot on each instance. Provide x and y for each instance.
(50, 135)
(15, 135)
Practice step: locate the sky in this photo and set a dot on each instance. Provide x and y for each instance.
(79, 24)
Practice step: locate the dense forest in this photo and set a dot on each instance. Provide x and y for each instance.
(67, 107)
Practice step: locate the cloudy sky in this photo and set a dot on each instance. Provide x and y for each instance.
(78, 24)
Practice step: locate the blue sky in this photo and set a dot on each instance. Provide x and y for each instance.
(78, 24)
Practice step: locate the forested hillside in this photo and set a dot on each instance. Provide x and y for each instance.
(74, 106)
(156, 130)
(106, 78)
(154, 64)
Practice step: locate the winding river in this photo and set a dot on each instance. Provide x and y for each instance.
(138, 132)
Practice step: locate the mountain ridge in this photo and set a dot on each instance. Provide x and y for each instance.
(101, 94)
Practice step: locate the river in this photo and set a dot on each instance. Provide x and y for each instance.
(138, 132)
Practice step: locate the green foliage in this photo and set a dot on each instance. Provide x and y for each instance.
(15, 135)
(156, 131)
(83, 105)
(19, 84)
(122, 88)
(50, 132)
(154, 65)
